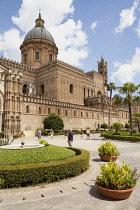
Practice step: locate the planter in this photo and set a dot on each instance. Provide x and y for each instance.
(115, 194)
(107, 158)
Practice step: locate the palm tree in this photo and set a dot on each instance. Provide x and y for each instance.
(136, 119)
(128, 89)
(110, 87)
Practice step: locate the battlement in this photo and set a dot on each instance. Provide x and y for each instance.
(10, 63)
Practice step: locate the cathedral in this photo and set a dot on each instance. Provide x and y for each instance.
(41, 84)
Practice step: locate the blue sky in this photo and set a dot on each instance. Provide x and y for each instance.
(83, 31)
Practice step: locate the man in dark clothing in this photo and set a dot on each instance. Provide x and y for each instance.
(70, 138)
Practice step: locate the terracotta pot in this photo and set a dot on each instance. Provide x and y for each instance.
(107, 158)
(115, 194)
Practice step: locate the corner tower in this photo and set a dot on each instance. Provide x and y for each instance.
(38, 47)
(102, 69)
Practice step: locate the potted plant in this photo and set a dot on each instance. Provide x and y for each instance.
(108, 151)
(116, 182)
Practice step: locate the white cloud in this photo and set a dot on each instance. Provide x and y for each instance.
(93, 26)
(127, 17)
(138, 29)
(10, 42)
(70, 39)
(127, 71)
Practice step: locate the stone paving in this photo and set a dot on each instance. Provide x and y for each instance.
(77, 193)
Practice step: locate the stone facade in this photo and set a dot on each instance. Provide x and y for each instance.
(41, 85)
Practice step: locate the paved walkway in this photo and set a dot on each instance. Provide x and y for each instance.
(77, 193)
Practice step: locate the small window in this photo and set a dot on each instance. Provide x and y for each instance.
(42, 89)
(81, 114)
(50, 58)
(74, 113)
(84, 92)
(71, 88)
(66, 113)
(58, 111)
(36, 55)
(27, 109)
(39, 110)
(25, 57)
(49, 111)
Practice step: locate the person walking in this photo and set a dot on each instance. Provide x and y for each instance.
(70, 138)
(81, 132)
(88, 134)
(39, 134)
(52, 132)
(93, 135)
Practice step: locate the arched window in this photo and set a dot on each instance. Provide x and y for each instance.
(39, 110)
(42, 89)
(92, 93)
(49, 111)
(74, 113)
(81, 114)
(27, 109)
(58, 111)
(66, 113)
(84, 92)
(24, 89)
(99, 93)
(71, 88)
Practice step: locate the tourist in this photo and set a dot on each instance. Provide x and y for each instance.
(52, 132)
(88, 134)
(70, 138)
(39, 134)
(81, 132)
(93, 135)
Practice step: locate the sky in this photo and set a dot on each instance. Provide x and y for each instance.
(83, 30)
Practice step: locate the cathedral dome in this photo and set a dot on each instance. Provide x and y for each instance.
(39, 32)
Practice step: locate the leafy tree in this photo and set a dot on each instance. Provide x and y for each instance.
(117, 126)
(110, 87)
(128, 89)
(136, 119)
(104, 126)
(54, 122)
(127, 126)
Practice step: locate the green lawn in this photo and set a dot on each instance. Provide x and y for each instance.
(37, 155)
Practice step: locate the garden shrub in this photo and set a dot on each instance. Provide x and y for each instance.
(120, 137)
(31, 174)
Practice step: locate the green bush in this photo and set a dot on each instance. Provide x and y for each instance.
(31, 174)
(117, 178)
(42, 141)
(17, 135)
(108, 149)
(120, 137)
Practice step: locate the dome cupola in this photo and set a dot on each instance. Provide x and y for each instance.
(38, 47)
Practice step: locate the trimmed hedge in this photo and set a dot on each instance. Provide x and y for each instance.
(31, 174)
(119, 137)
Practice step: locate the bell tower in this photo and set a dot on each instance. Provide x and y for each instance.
(102, 69)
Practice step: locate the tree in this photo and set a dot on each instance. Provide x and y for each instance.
(104, 126)
(110, 87)
(127, 126)
(128, 89)
(54, 122)
(117, 127)
(136, 119)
